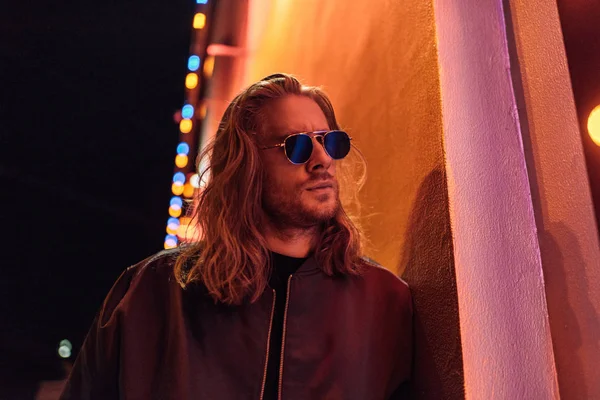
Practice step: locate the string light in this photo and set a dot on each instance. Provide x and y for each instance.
(193, 63)
(200, 67)
(177, 190)
(199, 21)
(179, 177)
(187, 111)
(183, 148)
(175, 212)
(191, 80)
(175, 202)
(185, 126)
(181, 160)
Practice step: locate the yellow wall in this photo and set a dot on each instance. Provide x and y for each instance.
(377, 61)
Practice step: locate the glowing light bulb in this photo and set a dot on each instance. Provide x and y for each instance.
(177, 189)
(199, 21)
(185, 126)
(191, 80)
(193, 63)
(64, 352)
(183, 148)
(175, 212)
(593, 125)
(179, 177)
(181, 160)
(187, 111)
(175, 201)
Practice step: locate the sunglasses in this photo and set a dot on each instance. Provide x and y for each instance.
(298, 147)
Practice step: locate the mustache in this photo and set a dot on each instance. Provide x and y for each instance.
(323, 176)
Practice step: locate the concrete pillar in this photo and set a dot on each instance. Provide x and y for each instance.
(505, 331)
(567, 230)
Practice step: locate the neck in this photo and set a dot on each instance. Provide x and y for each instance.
(291, 242)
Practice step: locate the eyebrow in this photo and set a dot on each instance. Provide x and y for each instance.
(291, 132)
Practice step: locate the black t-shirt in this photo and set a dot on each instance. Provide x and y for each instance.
(283, 267)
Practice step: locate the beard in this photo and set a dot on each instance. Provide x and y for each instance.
(294, 207)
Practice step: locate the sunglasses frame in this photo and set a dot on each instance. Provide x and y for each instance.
(315, 134)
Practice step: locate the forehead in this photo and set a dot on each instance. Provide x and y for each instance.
(293, 114)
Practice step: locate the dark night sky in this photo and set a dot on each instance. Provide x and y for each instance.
(87, 143)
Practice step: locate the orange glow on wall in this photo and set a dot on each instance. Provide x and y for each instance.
(185, 126)
(209, 66)
(202, 111)
(593, 125)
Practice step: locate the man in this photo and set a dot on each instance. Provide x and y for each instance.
(275, 299)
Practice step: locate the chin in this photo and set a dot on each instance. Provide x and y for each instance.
(322, 211)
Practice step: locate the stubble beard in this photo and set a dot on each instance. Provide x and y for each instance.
(288, 209)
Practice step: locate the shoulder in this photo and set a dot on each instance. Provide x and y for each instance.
(381, 279)
(141, 281)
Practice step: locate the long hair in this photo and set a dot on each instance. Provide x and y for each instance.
(231, 258)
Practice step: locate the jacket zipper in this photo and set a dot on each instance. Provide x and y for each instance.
(264, 382)
(287, 302)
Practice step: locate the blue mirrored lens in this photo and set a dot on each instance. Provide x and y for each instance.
(337, 144)
(298, 148)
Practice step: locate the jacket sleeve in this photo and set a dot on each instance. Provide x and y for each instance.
(95, 374)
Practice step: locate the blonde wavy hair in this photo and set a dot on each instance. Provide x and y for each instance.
(231, 258)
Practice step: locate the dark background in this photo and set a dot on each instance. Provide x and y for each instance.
(87, 144)
(580, 22)
(87, 147)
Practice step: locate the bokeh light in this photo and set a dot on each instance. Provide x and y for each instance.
(202, 111)
(193, 63)
(191, 80)
(195, 181)
(593, 125)
(177, 189)
(175, 202)
(185, 126)
(183, 148)
(175, 212)
(188, 190)
(199, 21)
(179, 177)
(187, 111)
(181, 160)
(209, 66)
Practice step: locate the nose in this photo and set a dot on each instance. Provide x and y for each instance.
(319, 158)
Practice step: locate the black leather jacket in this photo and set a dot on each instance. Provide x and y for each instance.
(344, 338)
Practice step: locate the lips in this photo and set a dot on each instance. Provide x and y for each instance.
(321, 186)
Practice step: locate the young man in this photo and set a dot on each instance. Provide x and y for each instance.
(275, 300)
